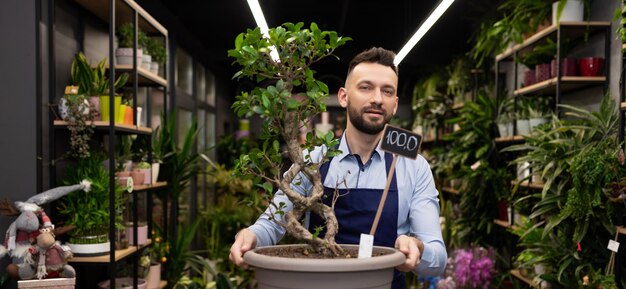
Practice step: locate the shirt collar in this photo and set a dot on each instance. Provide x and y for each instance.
(345, 149)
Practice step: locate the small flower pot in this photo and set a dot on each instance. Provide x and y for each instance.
(529, 77)
(154, 67)
(569, 67)
(138, 176)
(523, 126)
(590, 66)
(155, 172)
(542, 72)
(154, 276)
(94, 106)
(124, 56)
(142, 234)
(104, 107)
(146, 61)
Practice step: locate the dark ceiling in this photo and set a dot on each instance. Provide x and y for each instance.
(386, 23)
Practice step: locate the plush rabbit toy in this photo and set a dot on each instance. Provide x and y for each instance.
(23, 232)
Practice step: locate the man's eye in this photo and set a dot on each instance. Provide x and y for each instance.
(365, 88)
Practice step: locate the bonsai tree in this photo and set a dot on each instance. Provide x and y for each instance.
(284, 73)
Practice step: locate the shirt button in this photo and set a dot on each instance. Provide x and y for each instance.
(363, 169)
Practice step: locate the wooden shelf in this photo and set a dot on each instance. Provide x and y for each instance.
(450, 190)
(624, 46)
(527, 184)
(510, 138)
(162, 284)
(156, 185)
(146, 77)
(568, 83)
(119, 255)
(518, 275)
(504, 224)
(571, 30)
(622, 105)
(123, 14)
(104, 125)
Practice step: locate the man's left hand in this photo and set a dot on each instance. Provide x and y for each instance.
(412, 248)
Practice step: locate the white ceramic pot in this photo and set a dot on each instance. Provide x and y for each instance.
(142, 232)
(155, 172)
(523, 171)
(146, 61)
(124, 56)
(154, 67)
(90, 249)
(572, 12)
(502, 130)
(154, 276)
(533, 122)
(523, 126)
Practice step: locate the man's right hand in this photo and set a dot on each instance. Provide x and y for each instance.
(245, 241)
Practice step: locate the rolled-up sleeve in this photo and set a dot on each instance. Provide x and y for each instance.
(424, 222)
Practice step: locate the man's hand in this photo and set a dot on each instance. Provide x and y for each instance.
(412, 248)
(245, 241)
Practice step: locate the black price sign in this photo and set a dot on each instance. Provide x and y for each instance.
(401, 141)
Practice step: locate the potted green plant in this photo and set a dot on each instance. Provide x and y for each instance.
(157, 50)
(94, 83)
(125, 40)
(89, 211)
(145, 43)
(289, 71)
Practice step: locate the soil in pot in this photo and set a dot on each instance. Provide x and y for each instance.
(305, 252)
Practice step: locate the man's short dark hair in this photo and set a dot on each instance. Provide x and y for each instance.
(374, 55)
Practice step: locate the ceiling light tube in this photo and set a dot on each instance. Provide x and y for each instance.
(421, 31)
(257, 13)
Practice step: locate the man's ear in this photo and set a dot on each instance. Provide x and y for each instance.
(342, 97)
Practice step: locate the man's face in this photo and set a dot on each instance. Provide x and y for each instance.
(370, 97)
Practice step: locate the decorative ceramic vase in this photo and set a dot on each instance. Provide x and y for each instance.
(120, 116)
(64, 109)
(590, 66)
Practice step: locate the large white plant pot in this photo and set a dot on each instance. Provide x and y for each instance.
(353, 273)
(572, 12)
(90, 249)
(154, 276)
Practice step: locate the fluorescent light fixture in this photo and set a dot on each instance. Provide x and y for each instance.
(257, 13)
(421, 31)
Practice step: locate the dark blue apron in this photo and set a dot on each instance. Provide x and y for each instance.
(355, 211)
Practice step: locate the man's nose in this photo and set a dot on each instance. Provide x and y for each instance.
(377, 96)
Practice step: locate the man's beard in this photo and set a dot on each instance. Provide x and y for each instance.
(358, 120)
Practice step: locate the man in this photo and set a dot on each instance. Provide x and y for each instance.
(410, 219)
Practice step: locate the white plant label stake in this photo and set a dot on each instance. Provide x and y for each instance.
(613, 246)
(398, 142)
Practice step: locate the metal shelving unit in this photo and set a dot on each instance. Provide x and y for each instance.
(114, 13)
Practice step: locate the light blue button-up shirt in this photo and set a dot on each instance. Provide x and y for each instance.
(418, 208)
